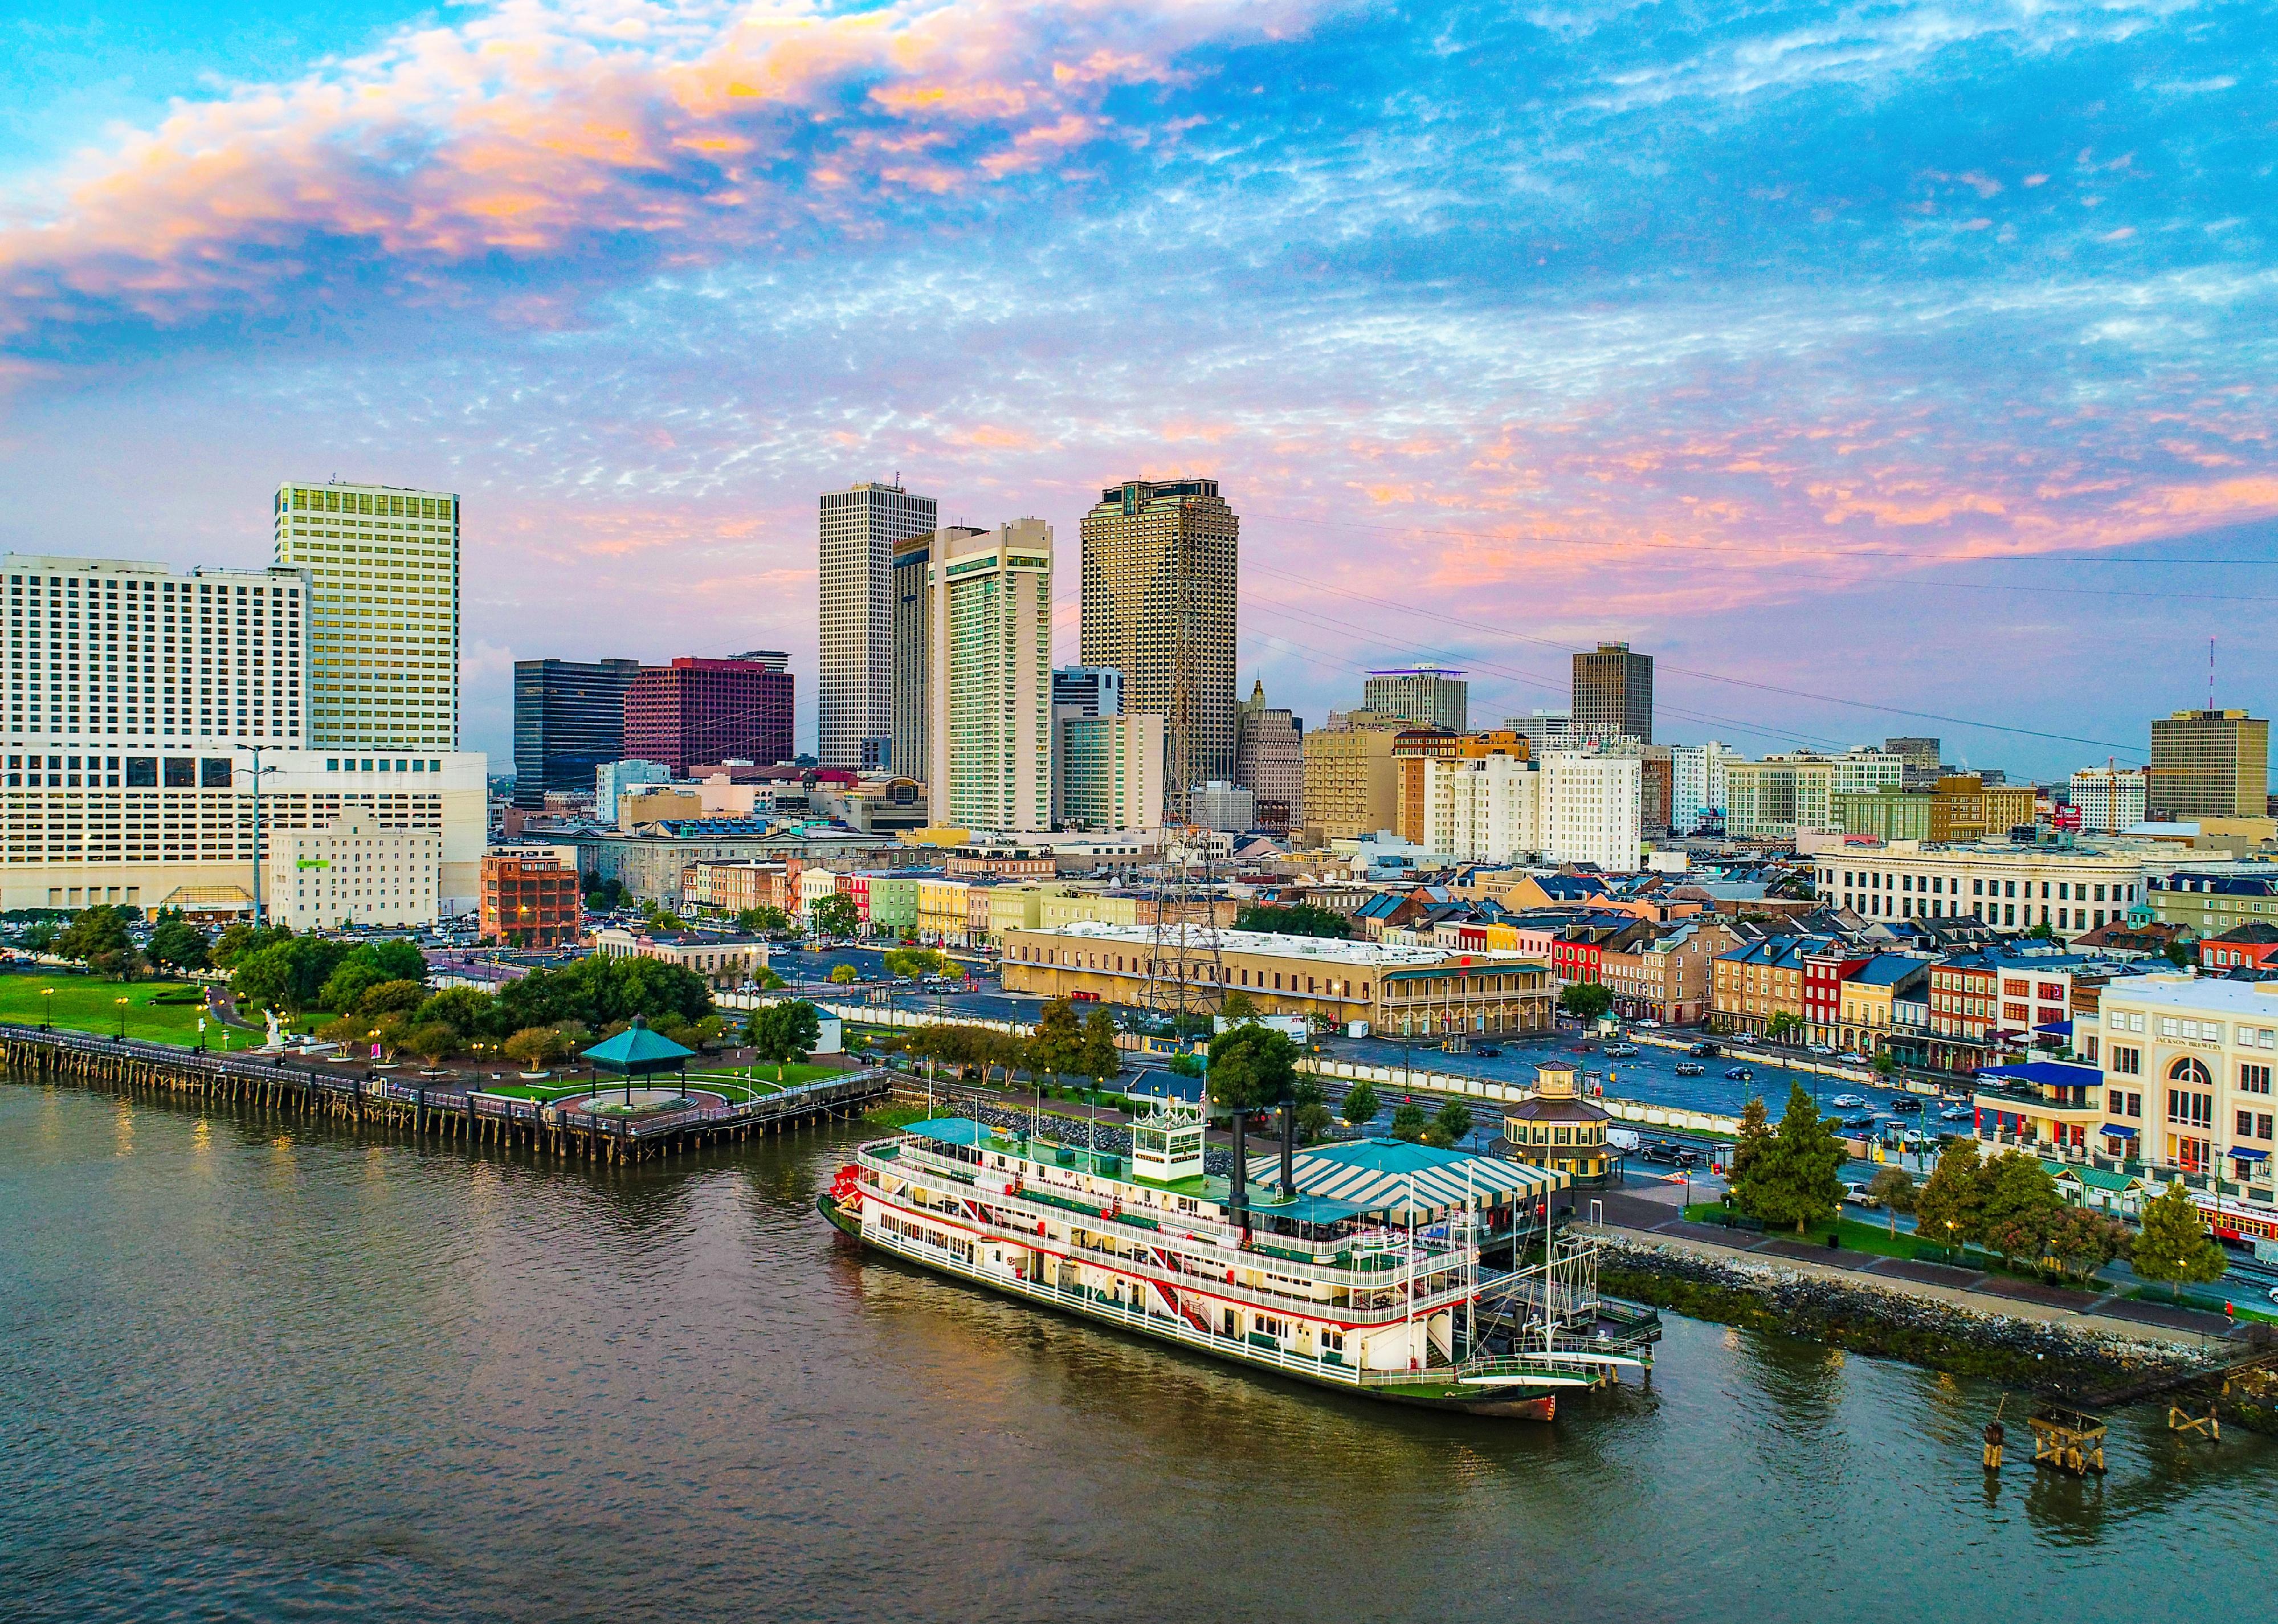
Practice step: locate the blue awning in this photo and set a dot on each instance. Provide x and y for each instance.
(2055, 1029)
(2112, 1130)
(2240, 1153)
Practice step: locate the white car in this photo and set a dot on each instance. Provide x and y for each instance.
(1852, 1057)
(1819, 1048)
(1847, 1102)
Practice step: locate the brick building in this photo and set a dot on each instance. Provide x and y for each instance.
(709, 710)
(529, 900)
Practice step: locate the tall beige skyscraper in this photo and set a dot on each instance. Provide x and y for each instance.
(383, 566)
(914, 644)
(1430, 696)
(1160, 568)
(855, 669)
(1613, 693)
(2210, 763)
(989, 688)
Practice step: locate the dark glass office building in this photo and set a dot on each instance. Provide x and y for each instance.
(568, 718)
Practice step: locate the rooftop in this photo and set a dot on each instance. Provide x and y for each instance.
(1324, 950)
(2198, 995)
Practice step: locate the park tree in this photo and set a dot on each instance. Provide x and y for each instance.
(537, 1046)
(97, 939)
(2020, 1206)
(1099, 1058)
(1894, 1187)
(1748, 1152)
(763, 922)
(1794, 1181)
(431, 1041)
(1057, 1045)
(176, 943)
(389, 998)
(468, 1011)
(1362, 1105)
(1238, 1007)
(1252, 1069)
(834, 915)
(2173, 1243)
(2083, 1241)
(1454, 1120)
(915, 963)
(845, 974)
(1408, 1122)
(1586, 1001)
(1950, 1210)
(783, 1033)
(288, 975)
(238, 940)
(1784, 1028)
(1297, 919)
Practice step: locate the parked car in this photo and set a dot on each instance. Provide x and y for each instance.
(1487, 1051)
(1861, 1124)
(1906, 1102)
(1847, 1102)
(1739, 1073)
(1646, 1026)
(1852, 1057)
(1689, 1068)
(1956, 1113)
(1621, 1051)
(1704, 1049)
(1855, 1194)
(1819, 1048)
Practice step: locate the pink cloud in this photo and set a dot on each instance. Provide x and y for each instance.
(534, 126)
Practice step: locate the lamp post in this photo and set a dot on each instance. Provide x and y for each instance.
(122, 1019)
(47, 1021)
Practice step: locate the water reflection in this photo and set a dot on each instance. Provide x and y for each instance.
(400, 1381)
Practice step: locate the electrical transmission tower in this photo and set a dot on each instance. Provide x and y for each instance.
(1185, 976)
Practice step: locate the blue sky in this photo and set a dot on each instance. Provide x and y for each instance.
(1884, 369)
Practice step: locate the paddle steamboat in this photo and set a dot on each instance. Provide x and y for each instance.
(1359, 1266)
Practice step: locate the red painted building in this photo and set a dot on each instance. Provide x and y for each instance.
(693, 711)
(1824, 972)
(530, 900)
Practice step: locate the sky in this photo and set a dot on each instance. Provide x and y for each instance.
(1882, 369)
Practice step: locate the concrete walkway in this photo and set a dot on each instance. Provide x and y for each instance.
(1648, 1221)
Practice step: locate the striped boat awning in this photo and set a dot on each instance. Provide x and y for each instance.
(1378, 1176)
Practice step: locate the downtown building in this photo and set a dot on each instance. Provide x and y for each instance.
(912, 654)
(1269, 761)
(989, 725)
(1160, 571)
(568, 721)
(695, 710)
(383, 566)
(2210, 765)
(858, 531)
(1427, 695)
(1613, 693)
(142, 700)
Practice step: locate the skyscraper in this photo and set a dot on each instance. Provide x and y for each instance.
(703, 711)
(383, 566)
(568, 718)
(1160, 568)
(1269, 760)
(856, 675)
(912, 645)
(1613, 693)
(2210, 763)
(1428, 695)
(990, 689)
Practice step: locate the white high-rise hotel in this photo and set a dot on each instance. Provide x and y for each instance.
(989, 684)
(138, 696)
(855, 666)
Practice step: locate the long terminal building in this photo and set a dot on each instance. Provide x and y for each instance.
(1399, 990)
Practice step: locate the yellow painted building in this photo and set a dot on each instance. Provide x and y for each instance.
(1352, 781)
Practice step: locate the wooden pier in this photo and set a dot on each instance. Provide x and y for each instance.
(360, 1097)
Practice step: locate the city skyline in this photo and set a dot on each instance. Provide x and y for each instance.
(1782, 425)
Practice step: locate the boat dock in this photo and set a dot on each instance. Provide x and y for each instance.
(362, 1097)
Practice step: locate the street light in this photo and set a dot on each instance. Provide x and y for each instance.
(47, 1022)
(122, 1019)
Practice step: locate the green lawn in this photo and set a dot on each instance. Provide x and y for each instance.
(1868, 1238)
(88, 1004)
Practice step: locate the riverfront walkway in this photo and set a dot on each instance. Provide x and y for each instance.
(1641, 1218)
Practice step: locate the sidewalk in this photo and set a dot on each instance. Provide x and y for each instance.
(1650, 1221)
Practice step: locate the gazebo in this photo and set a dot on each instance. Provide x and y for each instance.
(638, 1052)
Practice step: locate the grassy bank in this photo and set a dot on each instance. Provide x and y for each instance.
(90, 1004)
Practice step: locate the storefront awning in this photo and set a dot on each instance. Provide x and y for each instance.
(2240, 1153)
(2112, 1130)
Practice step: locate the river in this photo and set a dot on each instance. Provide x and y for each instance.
(258, 1370)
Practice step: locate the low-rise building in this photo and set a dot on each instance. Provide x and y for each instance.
(1757, 982)
(2070, 889)
(2247, 946)
(1555, 1127)
(2211, 900)
(354, 870)
(530, 900)
(2186, 1073)
(1662, 973)
(1405, 990)
(1871, 1016)
(724, 962)
(738, 887)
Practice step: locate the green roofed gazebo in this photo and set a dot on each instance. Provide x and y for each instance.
(638, 1052)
